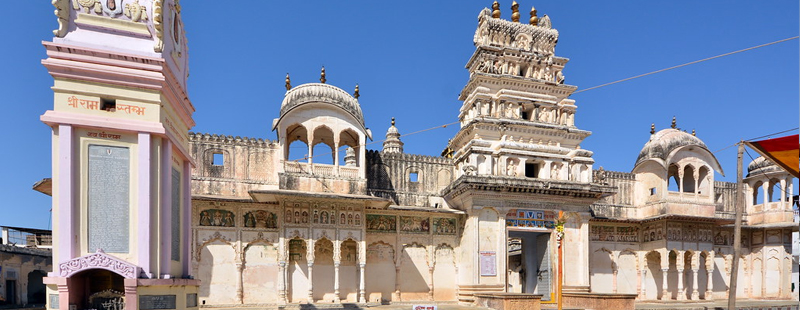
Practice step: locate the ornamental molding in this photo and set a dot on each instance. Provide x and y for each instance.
(98, 260)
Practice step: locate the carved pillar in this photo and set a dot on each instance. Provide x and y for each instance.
(337, 260)
(664, 291)
(239, 289)
(397, 282)
(310, 282)
(710, 286)
(430, 285)
(282, 282)
(695, 291)
(336, 282)
(643, 284)
(681, 288)
(614, 280)
(361, 288)
(310, 140)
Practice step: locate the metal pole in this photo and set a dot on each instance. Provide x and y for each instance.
(737, 229)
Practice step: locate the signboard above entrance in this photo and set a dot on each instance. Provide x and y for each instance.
(529, 219)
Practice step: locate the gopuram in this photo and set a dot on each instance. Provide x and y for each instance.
(147, 215)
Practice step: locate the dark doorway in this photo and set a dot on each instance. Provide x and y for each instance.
(36, 288)
(11, 292)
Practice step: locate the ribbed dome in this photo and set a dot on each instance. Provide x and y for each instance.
(665, 141)
(325, 93)
(762, 165)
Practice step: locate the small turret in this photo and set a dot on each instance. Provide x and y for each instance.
(392, 144)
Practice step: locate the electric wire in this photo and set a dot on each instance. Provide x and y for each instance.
(611, 83)
(686, 64)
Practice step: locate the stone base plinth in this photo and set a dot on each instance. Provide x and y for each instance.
(509, 301)
(599, 301)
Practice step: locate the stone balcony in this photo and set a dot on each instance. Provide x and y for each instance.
(321, 170)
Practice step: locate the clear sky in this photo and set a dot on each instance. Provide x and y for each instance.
(409, 57)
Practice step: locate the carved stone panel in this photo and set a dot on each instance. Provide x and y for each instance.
(217, 217)
(444, 226)
(260, 219)
(414, 224)
(381, 223)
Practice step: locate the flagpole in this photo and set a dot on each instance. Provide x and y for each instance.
(737, 228)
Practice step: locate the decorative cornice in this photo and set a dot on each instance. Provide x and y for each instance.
(98, 260)
(223, 139)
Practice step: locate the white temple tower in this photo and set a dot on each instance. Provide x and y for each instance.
(519, 163)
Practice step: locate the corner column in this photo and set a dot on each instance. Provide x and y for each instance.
(165, 208)
(337, 261)
(643, 285)
(186, 225)
(143, 234)
(282, 283)
(310, 282)
(66, 206)
(361, 288)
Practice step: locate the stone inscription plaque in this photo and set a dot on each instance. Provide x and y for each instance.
(53, 301)
(108, 198)
(156, 302)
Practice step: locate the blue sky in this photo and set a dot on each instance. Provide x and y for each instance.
(409, 60)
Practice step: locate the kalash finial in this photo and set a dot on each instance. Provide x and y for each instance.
(356, 94)
(515, 12)
(674, 123)
(653, 128)
(322, 75)
(392, 121)
(288, 82)
(496, 10)
(534, 20)
(694, 133)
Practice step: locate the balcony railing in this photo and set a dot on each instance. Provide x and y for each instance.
(322, 170)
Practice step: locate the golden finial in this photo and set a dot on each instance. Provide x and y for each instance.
(288, 82)
(392, 121)
(674, 123)
(652, 128)
(322, 75)
(356, 94)
(694, 133)
(496, 10)
(515, 12)
(534, 19)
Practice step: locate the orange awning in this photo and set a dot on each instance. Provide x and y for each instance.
(784, 151)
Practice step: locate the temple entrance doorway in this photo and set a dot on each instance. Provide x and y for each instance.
(529, 263)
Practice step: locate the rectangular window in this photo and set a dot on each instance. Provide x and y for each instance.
(413, 177)
(108, 198)
(652, 191)
(531, 170)
(219, 159)
(108, 104)
(176, 215)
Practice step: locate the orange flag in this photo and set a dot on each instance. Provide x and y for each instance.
(784, 151)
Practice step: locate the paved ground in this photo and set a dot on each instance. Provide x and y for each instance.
(686, 305)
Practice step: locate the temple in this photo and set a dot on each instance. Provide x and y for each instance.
(147, 214)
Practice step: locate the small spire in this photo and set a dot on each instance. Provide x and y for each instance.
(496, 10)
(288, 82)
(356, 94)
(694, 133)
(322, 75)
(515, 12)
(653, 128)
(534, 20)
(392, 121)
(674, 123)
